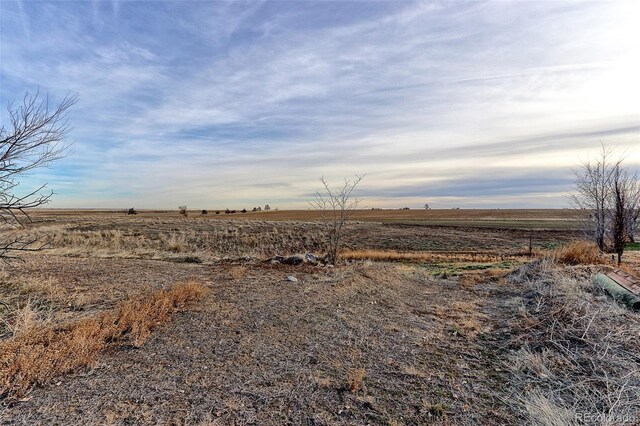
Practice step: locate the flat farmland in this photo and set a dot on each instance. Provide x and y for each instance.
(492, 218)
(216, 236)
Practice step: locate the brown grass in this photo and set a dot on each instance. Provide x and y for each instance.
(25, 319)
(36, 356)
(355, 379)
(578, 253)
(472, 279)
(396, 256)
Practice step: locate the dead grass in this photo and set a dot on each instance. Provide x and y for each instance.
(172, 240)
(420, 257)
(578, 253)
(37, 355)
(471, 279)
(355, 379)
(237, 272)
(461, 317)
(26, 319)
(577, 361)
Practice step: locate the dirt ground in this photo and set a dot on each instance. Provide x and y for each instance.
(361, 343)
(264, 350)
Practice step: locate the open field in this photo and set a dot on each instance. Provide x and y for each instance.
(492, 218)
(500, 232)
(421, 323)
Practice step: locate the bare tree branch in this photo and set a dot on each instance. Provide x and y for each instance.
(336, 206)
(611, 196)
(32, 138)
(593, 184)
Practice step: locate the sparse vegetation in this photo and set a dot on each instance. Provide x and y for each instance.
(577, 357)
(36, 355)
(420, 325)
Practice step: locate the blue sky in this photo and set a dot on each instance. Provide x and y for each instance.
(237, 104)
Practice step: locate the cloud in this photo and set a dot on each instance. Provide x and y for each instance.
(226, 102)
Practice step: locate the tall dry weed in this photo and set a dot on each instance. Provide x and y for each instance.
(37, 355)
(578, 253)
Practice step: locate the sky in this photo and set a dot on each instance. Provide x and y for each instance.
(214, 104)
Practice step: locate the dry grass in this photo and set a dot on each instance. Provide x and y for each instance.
(471, 279)
(419, 257)
(37, 355)
(578, 253)
(172, 240)
(578, 360)
(26, 319)
(355, 379)
(462, 318)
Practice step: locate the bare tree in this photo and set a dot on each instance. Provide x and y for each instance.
(611, 195)
(624, 187)
(336, 206)
(593, 184)
(633, 209)
(33, 137)
(183, 211)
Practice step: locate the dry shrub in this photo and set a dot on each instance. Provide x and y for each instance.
(355, 379)
(578, 253)
(472, 279)
(396, 256)
(35, 357)
(25, 319)
(237, 272)
(577, 356)
(177, 244)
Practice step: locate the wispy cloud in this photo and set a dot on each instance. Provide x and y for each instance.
(224, 103)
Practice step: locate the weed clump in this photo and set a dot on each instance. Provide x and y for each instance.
(578, 253)
(36, 356)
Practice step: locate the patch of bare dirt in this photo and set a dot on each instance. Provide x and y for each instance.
(360, 344)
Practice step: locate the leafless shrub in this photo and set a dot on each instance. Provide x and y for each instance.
(336, 206)
(610, 195)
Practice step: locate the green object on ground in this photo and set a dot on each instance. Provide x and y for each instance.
(618, 292)
(632, 247)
